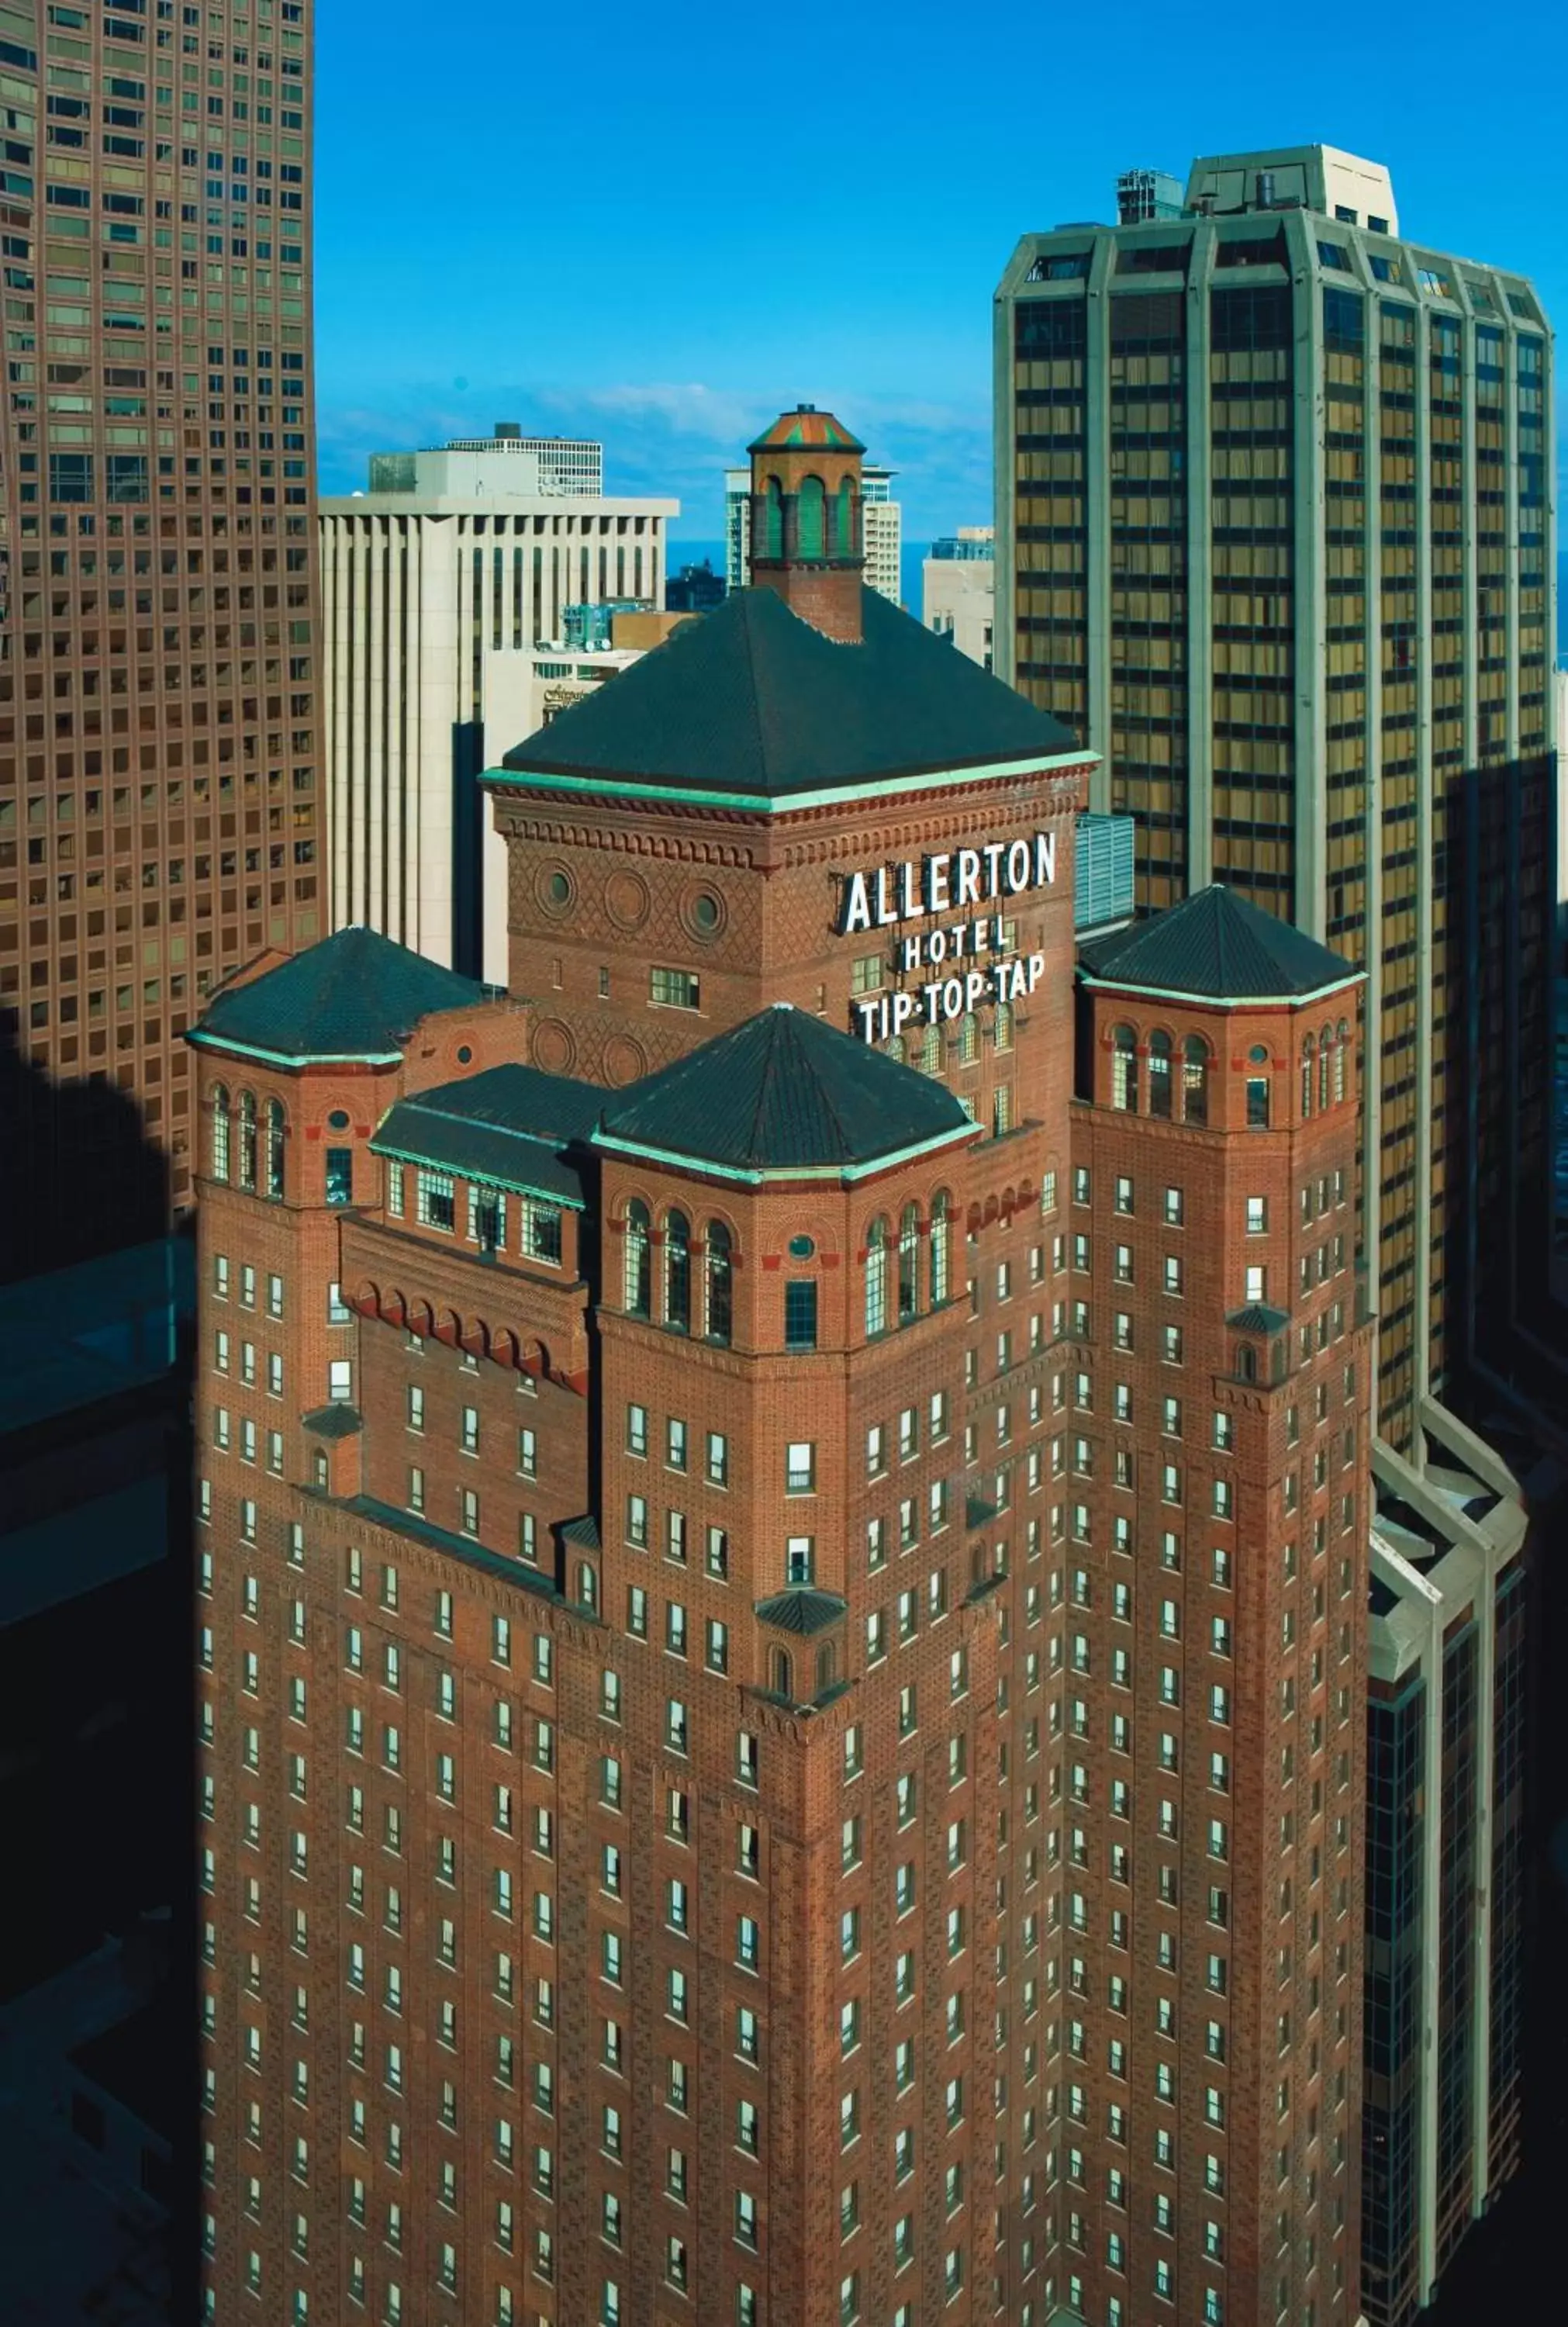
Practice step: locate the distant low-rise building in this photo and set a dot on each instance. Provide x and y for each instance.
(958, 590)
(695, 590)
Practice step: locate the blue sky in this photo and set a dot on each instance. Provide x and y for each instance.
(658, 227)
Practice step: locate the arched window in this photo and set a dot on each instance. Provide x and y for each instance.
(876, 1278)
(275, 1147)
(678, 1271)
(717, 1262)
(909, 1264)
(1195, 1080)
(772, 519)
(811, 520)
(827, 1667)
(638, 1285)
(1124, 1070)
(783, 1675)
(844, 530)
(931, 1051)
(1160, 1098)
(1307, 1076)
(220, 1131)
(1245, 1363)
(1001, 1032)
(1341, 1060)
(941, 1246)
(896, 1049)
(587, 1586)
(247, 1139)
(969, 1039)
(1257, 1061)
(1325, 1060)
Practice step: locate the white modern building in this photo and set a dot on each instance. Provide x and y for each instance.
(882, 521)
(504, 461)
(882, 527)
(737, 529)
(958, 590)
(433, 603)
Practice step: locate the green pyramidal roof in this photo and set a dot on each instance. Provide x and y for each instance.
(356, 996)
(783, 1092)
(1218, 947)
(753, 700)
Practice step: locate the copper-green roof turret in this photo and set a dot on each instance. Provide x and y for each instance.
(805, 429)
(806, 519)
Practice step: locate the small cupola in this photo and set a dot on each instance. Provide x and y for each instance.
(806, 519)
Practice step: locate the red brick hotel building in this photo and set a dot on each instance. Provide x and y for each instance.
(783, 1520)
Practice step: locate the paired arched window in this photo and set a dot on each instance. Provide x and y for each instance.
(909, 1264)
(1341, 1060)
(876, 1278)
(718, 1269)
(811, 519)
(248, 1140)
(220, 1131)
(678, 1271)
(1308, 1050)
(772, 519)
(1160, 1094)
(1124, 1070)
(1195, 1056)
(941, 1246)
(639, 1278)
(275, 1147)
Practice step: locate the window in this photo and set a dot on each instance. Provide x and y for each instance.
(800, 1312)
(638, 1282)
(718, 1460)
(674, 989)
(718, 1281)
(541, 1231)
(876, 1278)
(941, 1238)
(800, 1467)
(437, 1200)
(1257, 1216)
(677, 1272)
(1124, 1070)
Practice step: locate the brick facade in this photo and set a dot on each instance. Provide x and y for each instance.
(667, 1873)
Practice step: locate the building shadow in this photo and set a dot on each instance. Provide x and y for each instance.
(99, 2088)
(78, 1176)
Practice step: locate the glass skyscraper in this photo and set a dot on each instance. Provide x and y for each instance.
(159, 789)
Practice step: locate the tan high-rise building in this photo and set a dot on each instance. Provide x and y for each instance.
(159, 761)
(1275, 537)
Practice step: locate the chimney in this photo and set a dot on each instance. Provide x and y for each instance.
(806, 519)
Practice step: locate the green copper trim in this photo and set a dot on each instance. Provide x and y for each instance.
(1223, 1001)
(783, 804)
(295, 1058)
(844, 1174)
